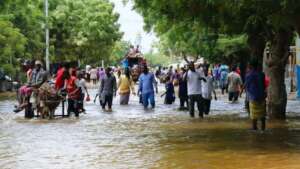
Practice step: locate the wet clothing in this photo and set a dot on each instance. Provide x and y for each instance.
(206, 106)
(107, 100)
(146, 83)
(233, 96)
(197, 98)
(124, 98)
(107, 89)
(170, 93)
(255, 87)
(194, 91)
(146, 86)
(73, 106)
(74, 95)
(257, 109)
(182, 92)
(207, 89)
(148, 97)
(108, 85)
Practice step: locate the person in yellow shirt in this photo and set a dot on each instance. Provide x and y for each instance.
(125, 87)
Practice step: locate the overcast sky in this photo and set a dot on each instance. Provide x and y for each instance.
(132, 24)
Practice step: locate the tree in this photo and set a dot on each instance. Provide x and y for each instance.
(119, 51)
(12, 42)
(84, 30)
(261, 21)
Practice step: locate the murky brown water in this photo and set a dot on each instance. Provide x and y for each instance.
(136, 139)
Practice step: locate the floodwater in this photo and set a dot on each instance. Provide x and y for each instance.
(132, 138)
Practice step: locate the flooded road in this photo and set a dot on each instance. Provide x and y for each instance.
(133, 138)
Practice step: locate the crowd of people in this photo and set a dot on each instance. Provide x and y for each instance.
(191, 84)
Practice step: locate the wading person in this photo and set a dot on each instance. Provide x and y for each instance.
(207, 90)
(223, 78)
(146, 86)
(73, 91)
(170, 93)
(94, 76)
(107, 90)
(83, 89)
(125, 87)
(38, 77)
(194, 80)
(234, 85)
(255, 88)
(182, 91)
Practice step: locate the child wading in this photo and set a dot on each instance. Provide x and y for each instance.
(207, 89)
(170, 93)
(107, 89)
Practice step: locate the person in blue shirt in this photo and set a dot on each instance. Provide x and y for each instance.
(256, 90)
(147, 83)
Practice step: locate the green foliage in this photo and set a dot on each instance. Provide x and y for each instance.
(157, 59)
(119, 51)
(84, 30)
(196, 22)
(8, 69)
(12, 42)
(79, 30)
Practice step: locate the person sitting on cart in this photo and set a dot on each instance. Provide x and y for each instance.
(38, 77)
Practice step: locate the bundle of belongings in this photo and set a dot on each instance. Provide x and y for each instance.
(48, 99)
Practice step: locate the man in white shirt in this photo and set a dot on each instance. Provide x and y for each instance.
(194, 79)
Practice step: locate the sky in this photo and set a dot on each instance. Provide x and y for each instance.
(132, 24)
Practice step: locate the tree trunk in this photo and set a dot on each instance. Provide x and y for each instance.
(276, 62)
(257, 46)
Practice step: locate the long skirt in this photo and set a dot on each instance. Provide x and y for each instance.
(124, 98)
(257, 109)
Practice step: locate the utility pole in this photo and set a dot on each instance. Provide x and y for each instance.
(47, 37)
